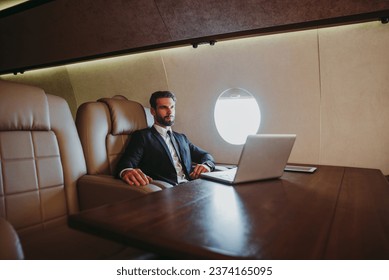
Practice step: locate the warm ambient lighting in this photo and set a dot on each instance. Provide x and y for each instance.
(9, 4)
(236, 115)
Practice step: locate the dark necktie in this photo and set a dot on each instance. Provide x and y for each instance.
(175, 146)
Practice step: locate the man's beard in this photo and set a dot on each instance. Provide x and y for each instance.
(164, 121)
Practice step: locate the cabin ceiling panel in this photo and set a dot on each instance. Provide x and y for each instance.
(70, 30)
(187, 19)
(60, 32)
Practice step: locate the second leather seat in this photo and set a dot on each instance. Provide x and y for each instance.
(105, 127)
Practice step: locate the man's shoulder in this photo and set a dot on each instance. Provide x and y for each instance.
(142, 132)
(180, 135)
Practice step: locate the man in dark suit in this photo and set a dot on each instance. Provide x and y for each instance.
(159, 153)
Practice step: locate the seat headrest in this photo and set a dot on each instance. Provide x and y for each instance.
(127, 116)
(23, 107)
(119, 96)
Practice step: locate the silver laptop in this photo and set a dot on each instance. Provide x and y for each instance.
(264, 156)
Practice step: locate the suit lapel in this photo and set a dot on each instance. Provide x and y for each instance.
(162, 143)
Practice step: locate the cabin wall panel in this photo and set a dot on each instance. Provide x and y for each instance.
(55, 81)
(355, 96)
(133, 76)
(281, 71)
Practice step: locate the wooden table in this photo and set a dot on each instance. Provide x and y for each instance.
(334, 213)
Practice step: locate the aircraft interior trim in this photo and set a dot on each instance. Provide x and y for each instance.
(69, 106)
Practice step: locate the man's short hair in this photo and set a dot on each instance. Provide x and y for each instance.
(160, 94)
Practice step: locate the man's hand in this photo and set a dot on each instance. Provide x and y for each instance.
(136, 177)
(199, 168)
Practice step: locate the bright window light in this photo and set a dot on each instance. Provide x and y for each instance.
(237, 115)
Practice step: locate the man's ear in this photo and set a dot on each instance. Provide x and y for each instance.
(152, 111)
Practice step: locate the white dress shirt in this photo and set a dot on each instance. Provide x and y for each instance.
(176, 161)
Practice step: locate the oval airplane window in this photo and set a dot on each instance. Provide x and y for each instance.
(237, 115)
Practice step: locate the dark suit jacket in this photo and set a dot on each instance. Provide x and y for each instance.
(148, 151)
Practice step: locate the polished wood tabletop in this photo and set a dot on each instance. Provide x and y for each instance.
(334, 213)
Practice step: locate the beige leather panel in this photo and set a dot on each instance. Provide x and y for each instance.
(48, 162)
(45, 144)
(23, 209)
(49, 172)
(16, 145)
(18, 165)
(17, 155)
(19, 176)
(53, 203)
(2, 206)
(24, 109)
(36, 164)
(116, 145)
(127, 116)
(72, 156)
(1, 179)
(103, 128)
(55, 222)
(11, 248)
(93, 124)
(44, 226)
(33, 178)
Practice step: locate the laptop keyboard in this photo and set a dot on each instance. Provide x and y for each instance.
(228, 175)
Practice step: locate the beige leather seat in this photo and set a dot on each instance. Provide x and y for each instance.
(10, 247)
(41, 160)
(105, 127)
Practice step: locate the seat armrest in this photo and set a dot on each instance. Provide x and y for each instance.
(10, 247)
(97, 190)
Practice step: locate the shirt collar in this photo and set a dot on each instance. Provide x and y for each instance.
(161, 130)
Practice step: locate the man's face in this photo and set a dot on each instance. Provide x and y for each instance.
(165, 112)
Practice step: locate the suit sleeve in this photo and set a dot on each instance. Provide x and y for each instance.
(201, 156)
(132, 155)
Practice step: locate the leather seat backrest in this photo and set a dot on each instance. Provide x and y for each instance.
(41, 158)
(105, 127)
(10, 246)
